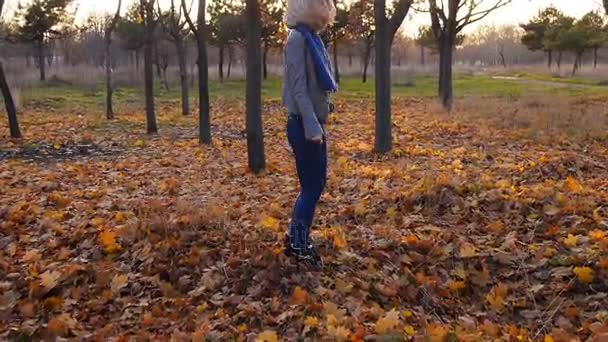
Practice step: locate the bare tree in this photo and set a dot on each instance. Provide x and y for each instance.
(174, 27)
(386, 28)
(200, 33)
(147, 12)
(255, 133)
(111, 26)
(9, 103)
(447, 26)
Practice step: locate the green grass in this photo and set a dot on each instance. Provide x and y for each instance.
(92, 98)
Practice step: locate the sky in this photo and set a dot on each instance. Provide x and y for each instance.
(518, 11)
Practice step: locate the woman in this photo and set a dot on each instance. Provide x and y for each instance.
(307, 87)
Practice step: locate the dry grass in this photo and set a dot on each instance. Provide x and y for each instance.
(539, 117)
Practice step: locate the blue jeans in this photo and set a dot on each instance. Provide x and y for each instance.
(311, 163)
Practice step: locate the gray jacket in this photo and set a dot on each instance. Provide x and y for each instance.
(302, 94)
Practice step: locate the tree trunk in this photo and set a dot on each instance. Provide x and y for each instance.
(366, 57)
(221, 64)
(559, 60)
(164, 75)
(255, 133)
(149, 71)
(549, 59)
(576, 63)
(159, 72)
(595, 57)
(9, 103)
(265, 60)
(503, 60)
(203, 92)
(446, 91)
(183, 75)
(230, 57)
(336, 66)
(383, 141)
(41, 61)
(350, 59)
(422, 59)
(109, 86)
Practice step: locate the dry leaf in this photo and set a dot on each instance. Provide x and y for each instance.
(388, 323)
(584, 274)
(119, 281)
(267, 336)
(50, 279)
(299, 296)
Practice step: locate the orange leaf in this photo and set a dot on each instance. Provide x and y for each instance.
(571, 241)
(584, 274)
(267, 336)
(388, 323)
(572, 185)
(299, 296)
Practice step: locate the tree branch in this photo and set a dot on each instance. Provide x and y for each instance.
(189, 20)
(114, 21)
(473, 17)
(402, 7)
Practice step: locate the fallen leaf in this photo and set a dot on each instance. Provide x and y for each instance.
(299, 296)
(119, 281)
(584, 274)
(50, 279)
(388, 323)
(267, 336)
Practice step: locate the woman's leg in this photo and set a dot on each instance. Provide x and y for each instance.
(311, 163)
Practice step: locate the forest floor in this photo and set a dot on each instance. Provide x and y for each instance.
(489, 223)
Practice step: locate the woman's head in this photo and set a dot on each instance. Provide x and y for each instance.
(315, 13)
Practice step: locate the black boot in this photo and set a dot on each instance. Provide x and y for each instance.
(300, 248)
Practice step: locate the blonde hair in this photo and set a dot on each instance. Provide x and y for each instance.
(315, 13)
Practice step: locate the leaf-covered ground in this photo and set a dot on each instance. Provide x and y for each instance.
(469, 230)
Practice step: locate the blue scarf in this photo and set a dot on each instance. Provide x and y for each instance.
(320, 58)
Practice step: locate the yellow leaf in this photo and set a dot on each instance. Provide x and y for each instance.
(572, 185)
(108, 241)
(409, 330)
(267, 336)
(456, 286)
(98, 221)
(139, 143)
(388, 323)
(202, 307)
(597, 235)
(339, 239)
(391, 212)
(584, 274)
(437, 332)
(549, 338)
(340, 333)
(120, 217)
(311, 322)
(407, 314)
(118, 282)
(467, 250)
(50, 279)
(571, 241)
(299, 296)
(270, 223)
(496, 297)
